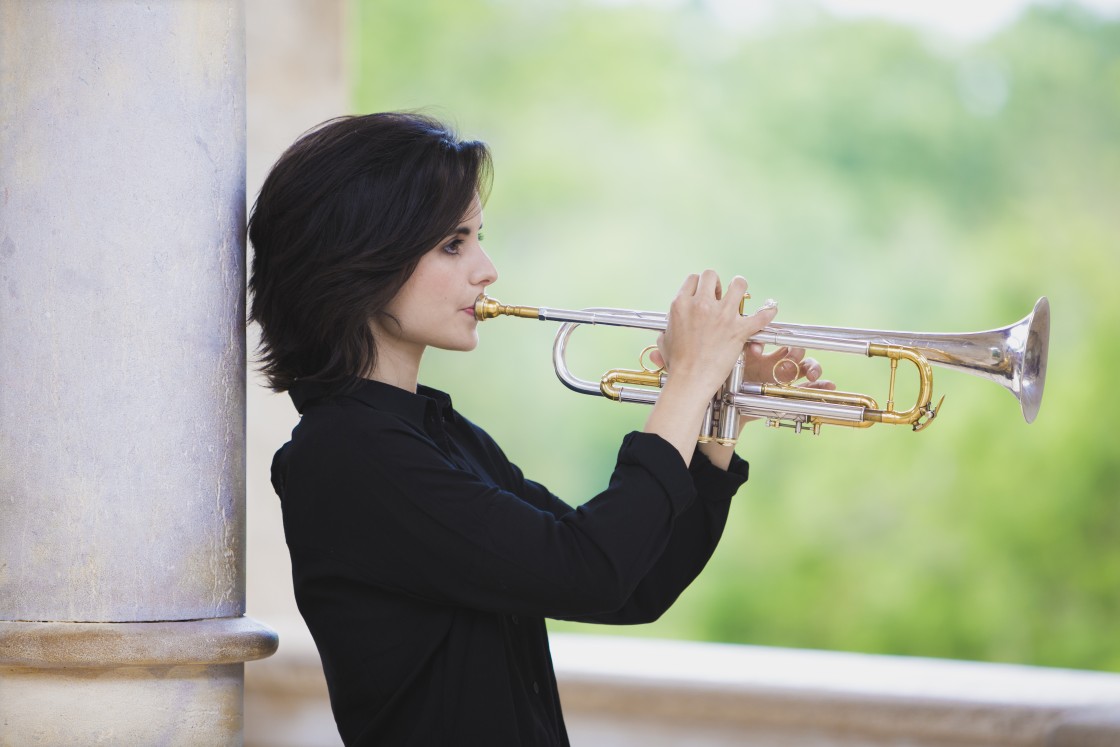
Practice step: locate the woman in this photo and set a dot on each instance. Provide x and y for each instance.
(424, 562)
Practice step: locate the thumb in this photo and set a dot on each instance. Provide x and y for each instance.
(762, 317)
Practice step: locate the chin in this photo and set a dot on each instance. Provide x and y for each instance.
(462, 346)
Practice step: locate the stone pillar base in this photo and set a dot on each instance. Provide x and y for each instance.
(83, 683)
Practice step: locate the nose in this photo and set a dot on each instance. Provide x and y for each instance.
(485, 273)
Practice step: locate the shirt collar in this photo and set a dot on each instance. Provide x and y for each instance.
(379, 395)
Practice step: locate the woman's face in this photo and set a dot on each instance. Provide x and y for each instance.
(436, 305)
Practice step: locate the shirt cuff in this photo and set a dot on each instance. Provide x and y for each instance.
(662, 460)
(713, 482)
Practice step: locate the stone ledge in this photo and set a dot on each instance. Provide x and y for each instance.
(1090, 728)
(48, 645)
(678, 688)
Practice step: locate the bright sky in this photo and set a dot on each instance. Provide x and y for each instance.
(963, 19)
(960, 18)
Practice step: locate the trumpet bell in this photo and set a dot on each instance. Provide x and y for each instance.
(1019, 363)
(1036, 347)
(1013, 356)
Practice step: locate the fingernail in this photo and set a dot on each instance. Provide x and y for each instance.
(770, 304)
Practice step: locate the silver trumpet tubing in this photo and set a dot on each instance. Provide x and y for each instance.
(1013, 356)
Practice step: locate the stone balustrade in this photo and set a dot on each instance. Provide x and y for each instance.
(622, 691)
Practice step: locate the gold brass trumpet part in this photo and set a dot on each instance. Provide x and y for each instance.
(488, 308)
(612, 381)
(1013, 356)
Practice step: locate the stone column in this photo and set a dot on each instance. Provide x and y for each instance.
(122, 373)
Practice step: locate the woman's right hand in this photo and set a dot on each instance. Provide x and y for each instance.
(706, 332)
(704, 337)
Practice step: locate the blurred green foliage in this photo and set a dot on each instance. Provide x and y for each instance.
(864, 174)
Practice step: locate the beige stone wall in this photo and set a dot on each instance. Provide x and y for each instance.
(296, 78)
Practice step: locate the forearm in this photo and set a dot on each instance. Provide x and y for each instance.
(696, 531)
(678, 414)
(677, 418)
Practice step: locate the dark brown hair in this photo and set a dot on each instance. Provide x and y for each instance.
(338, 227)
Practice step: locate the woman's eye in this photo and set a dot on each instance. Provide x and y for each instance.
(453, 247)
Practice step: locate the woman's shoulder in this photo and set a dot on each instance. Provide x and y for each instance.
(336, 429)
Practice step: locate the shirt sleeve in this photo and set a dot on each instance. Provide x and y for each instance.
(392, 507)
(696, 532)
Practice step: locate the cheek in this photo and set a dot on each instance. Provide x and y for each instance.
(441, 284)
(423, 300)
(432, 279)
(412, 294)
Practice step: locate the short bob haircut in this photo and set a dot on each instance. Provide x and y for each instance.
(338, 227)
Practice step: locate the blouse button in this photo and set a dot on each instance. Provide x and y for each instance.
(515, 620)
(536, 688)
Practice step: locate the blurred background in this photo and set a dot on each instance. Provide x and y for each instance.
(935, 168)
(863, 172)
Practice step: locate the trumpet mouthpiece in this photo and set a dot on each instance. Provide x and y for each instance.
(488, 308)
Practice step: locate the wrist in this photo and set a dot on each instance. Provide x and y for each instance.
(717, 454)
(695, 385)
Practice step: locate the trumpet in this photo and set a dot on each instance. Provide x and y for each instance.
(1013, 356)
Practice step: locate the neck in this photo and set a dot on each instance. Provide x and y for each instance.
(397, 368)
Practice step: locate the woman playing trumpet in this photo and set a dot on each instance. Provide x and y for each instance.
(424, 562)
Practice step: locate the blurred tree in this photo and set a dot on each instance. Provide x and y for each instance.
(865, 175)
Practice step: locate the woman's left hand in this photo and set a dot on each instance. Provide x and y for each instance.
(785, 365)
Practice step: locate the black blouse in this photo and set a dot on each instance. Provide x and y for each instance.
(424, 562)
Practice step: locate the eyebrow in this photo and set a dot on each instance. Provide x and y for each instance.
(465, 230)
